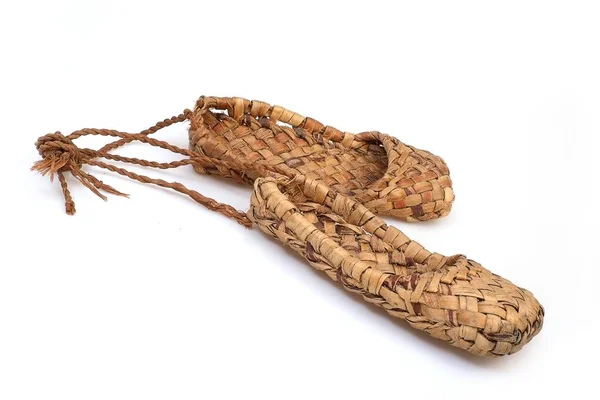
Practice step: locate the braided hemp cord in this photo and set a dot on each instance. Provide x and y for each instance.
(60, 155)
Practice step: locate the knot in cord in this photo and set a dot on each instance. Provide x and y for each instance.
(58, 152)
(59, 155)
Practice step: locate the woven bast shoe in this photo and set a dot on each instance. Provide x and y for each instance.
(451, 298)
(384, 174)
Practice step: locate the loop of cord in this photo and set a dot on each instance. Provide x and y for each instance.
(59, 155)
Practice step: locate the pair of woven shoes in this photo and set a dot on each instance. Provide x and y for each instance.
(326, 213)
(317, 190)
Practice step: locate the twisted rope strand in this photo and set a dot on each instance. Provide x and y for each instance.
(153, 129)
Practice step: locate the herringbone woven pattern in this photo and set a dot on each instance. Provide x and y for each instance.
(451, 298)
(386, 175)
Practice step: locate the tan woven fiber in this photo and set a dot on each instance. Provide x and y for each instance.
(378, 170)
(451, 298)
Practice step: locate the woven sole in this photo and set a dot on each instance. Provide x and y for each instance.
(378, 170)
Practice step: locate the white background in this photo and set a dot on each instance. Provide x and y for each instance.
(157, 298)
